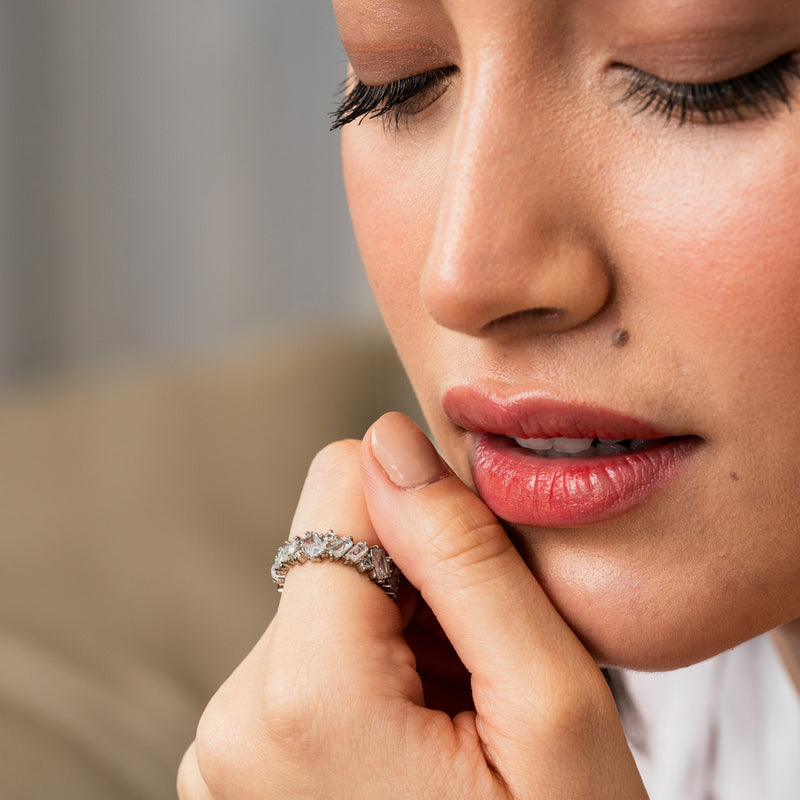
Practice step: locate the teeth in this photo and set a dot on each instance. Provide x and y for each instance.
(571, 445)
(565, 447)
(535, 444)
(554, 448)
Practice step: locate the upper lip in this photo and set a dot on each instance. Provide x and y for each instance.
(531, 415)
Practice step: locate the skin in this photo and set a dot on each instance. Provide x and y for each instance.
(350, 695)
(528, 185)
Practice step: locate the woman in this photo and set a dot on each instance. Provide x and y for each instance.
(580, 221)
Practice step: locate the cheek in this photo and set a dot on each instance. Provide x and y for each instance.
(393, 192)
(717, 253)
(709, 269)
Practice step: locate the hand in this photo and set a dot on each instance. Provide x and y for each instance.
(350, 695)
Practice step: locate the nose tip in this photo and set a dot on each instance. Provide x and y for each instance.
(546, 292)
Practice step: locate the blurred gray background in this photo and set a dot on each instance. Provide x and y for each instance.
(168, 183)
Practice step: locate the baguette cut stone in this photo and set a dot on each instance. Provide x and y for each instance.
(364, 564)
(356, 552)
(313, 545)
(340, 547)
(373, 561)
(380, 563)
(298, 553)
(284, 554)
(294, 549)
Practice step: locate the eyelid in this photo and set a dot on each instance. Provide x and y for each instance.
(383, 65)
(734, 99)
(401, 99)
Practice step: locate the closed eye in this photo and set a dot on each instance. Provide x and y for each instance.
(754, 94)
(396, 102)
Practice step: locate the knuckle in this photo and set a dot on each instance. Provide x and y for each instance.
(230, 746)
(289, 717)
(255, 732)
(188, 780)
(336, 458)
(332, 495)
(219, 744)
(466, 539)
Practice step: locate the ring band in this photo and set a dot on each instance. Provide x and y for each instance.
(374, 562)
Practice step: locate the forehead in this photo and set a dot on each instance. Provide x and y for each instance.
(650, 11)
(721, 29)
(716, 29)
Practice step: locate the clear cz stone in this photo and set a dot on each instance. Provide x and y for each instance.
(277, 575)
(313, 545)
(365, 564)
(329, 538)
(284, 554)
(338, 549)
(380, 563)
(356, 552)
(296, 554)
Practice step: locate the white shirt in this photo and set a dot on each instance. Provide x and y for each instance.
(725, 729)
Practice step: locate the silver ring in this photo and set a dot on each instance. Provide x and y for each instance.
(374, 562)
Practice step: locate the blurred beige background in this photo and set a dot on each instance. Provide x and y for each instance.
(183, 323)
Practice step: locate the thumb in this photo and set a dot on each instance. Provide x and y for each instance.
(450, 545)
(541, 702)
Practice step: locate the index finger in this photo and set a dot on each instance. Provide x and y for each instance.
(332, 500)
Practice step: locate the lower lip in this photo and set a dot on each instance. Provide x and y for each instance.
(526, 489)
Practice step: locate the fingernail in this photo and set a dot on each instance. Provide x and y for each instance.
(405, 453)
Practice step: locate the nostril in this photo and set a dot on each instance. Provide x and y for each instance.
(545, 313)
(529, 316)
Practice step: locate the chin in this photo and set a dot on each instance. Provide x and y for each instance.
(621, 630)
(621, 648)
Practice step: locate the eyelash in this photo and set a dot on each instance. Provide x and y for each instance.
(719, 102)
(395, 102)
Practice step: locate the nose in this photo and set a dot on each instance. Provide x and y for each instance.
(510, 244)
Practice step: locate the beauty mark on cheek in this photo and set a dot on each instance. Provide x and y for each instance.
(620, 338)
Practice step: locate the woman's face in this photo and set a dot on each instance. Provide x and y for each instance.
(583, 222)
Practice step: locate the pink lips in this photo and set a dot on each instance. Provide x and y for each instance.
(524, 488)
